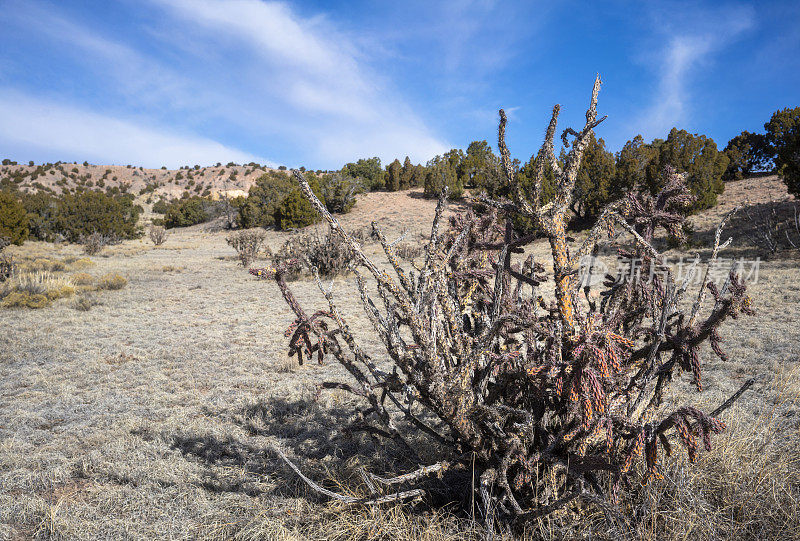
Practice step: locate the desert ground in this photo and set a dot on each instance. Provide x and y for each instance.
(152, 415)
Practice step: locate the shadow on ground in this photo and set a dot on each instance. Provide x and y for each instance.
(322, 441)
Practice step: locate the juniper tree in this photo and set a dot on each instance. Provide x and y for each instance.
(783, 135)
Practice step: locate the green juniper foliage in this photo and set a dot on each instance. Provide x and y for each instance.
(783, 135)
(13, 219)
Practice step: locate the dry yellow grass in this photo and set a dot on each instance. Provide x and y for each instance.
(34, 289)
(151, 416)
(112, 281)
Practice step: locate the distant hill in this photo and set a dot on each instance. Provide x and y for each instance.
(212, 181)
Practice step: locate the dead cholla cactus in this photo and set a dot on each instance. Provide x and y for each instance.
(158, 235)
(545, 402)
(248, 244)
(314, 251)
(95, 242)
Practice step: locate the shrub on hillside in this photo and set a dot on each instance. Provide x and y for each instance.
(632, 162)
(258, 208)
(595, 185)
(13, 219)
(339, 192)
(186, 212)
(783, 135)
(695, 155)
(368, 170)
(481, 169)
(294, 211)
(443, 171)
(86, 213)
(747, 153)
(391, 176)
(161, 206)
(521, 406)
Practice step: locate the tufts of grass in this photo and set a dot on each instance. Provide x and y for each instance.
(84, 302)
(43, 264)
(60, 292)
(82, 279)
(23, 299)
(35, 290)
(81, 264)
(112, 281)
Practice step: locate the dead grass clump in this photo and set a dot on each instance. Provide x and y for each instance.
(747, 488)
(21, 299)
(7, 265)
(81, 264)
(44, 264)
(345, 523)
(39, 283)
(362, 234)
(85, 301)
(82, 279)
(408, 251)
(248, 244)
(112, 281)
(35, 289)
(773, 227)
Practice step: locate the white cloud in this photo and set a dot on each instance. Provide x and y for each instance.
(682, 54)
(691, 41)
(251, 69)
(310, 79)
(71, 134)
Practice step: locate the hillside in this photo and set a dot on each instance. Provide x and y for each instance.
(213, 181)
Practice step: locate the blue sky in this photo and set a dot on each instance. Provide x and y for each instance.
(180, 82)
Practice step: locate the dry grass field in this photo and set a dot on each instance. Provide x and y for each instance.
(152, 415)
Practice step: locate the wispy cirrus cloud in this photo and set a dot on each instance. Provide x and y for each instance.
(249, 73)
(310, 78)
(690, 39)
